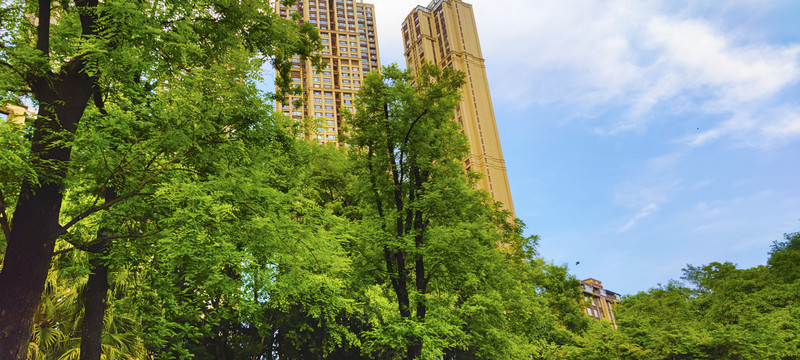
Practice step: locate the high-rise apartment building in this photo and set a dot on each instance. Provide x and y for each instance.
(444, 33)
(350, 41)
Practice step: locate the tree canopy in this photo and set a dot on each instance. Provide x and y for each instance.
(718, 311)
(156, 206)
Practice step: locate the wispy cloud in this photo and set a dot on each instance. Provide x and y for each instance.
(649, 190)
(645, 211)
(629, 61)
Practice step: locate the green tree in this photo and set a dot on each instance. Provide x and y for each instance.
(64, 55)
(407, 144)
(720, 312)
(443, 270)
(784, 259)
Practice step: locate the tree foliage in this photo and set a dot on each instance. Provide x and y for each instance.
(718, 312)
(158, 192)
(131, 89)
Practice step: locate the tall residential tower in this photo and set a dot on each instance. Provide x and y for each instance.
(444, 33)
(347, 28)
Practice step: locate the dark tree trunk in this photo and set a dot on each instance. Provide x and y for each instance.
(95, 296)
(414, 350)
(62, 99)
(27, 261)
(35, 226)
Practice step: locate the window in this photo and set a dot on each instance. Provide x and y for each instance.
(331, 122)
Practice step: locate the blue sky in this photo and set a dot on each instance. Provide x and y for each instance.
(641, 136)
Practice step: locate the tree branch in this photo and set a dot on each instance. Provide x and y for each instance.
(15, 70)
(85, 246)
(408, 133)
(43, 30)
(16, 90)
(116, 200)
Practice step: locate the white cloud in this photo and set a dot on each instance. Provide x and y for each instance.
(645, 211)
(651, 189)
(768, 128)
(641, 62)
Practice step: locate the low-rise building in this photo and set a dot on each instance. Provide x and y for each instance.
(15, 113)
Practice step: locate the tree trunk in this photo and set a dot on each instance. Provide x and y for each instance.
(27, 261)
(95, 302)
(414, 350)
(35, 226)
(62, 98)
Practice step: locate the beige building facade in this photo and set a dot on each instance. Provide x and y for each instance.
(444, 33)
(599, 302)
(350, 41)
(15, 113)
